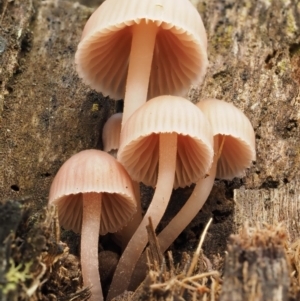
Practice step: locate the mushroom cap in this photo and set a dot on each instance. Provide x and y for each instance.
(93, 171)
(111, 133)
(179, 59)
(139, 143)
(232, 125)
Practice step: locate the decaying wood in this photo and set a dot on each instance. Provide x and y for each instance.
(256, 266)
(14, 21)
(272, 206)
(48, 114)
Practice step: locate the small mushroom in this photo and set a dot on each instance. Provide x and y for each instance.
(137, 48)
(111, 143)
(166, 143)
(234, 149)
(111, 134)
(94, 194)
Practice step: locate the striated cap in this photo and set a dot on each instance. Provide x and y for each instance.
(93, 171)
(179, 59)
(236, 137)
(111, 133)
(139, 144)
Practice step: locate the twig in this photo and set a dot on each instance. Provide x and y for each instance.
(197, 252)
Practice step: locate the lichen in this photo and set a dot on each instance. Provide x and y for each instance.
(15, 276)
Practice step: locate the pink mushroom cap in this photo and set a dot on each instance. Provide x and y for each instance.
(139, 146)
(179, 57)
(236, 137)
(93, 171)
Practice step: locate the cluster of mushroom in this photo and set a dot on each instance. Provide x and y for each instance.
(149, 53)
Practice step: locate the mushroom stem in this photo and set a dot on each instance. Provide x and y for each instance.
(89, 244)
(133, 224)
(192, 206)
(140, 61)
(135, 247)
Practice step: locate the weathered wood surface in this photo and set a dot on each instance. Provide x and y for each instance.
(47, 114)
(272, 206)
(256, 266)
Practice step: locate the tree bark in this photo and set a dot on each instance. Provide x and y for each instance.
(47, 113)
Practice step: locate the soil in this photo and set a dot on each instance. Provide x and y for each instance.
(47, 114)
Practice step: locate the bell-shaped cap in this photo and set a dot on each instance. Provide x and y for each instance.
(111, 133)
(179, 58)
(93, 171)
(236, 137)
(139, 144)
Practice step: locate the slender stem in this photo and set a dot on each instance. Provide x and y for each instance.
(135, 247)
(139, 69)
(133, 224)
(89, 244)
(185, 215)
(191, 207)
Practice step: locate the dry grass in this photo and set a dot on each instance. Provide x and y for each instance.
(192, 279)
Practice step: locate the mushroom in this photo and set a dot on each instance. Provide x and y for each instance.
(168, 143)
(111, 134)
(111, 142)
(234, 149)
(94, 194)
(129, 46)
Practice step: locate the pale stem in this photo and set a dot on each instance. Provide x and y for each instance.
(135, 247)
(89, 244)
(139, 69)
(184, 216)
(192, 206)
(133, 224)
